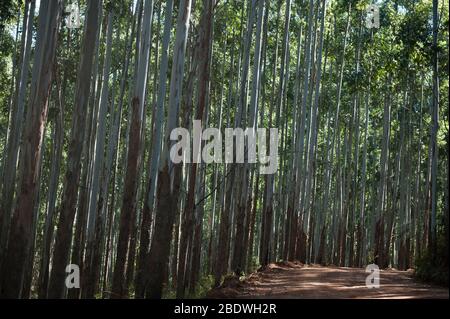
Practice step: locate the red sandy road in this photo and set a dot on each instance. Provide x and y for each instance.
(311, 282)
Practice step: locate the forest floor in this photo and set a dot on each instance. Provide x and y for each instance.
(293, 280)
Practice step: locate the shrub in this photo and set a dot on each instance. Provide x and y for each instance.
(434, 270)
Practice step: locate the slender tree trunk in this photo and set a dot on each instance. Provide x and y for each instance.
(203, 76)
(382, 194)
(15, 132)
(314, 116)
(69, 197)
(144, 242)
(239, 253)
(20, 237)
(57, 151)
(133, 157)
(167, 198)
(434, 131)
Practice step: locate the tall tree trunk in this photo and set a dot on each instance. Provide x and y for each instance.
(187, 228)
(142, 264)
(15, 132)
(314, 121)
(167, 197)
(20, 237)
(69, 197)
(434, 131)
(266, 230)
(95, 216)
(133, 157)
(57, 151)
(298, 207)
(239, 253)
(382, 194)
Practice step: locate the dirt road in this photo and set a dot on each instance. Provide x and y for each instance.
(296, 281)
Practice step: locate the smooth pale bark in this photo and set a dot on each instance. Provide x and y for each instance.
(239, 252)
(57, 150)
(267, 213)
(79, 238)
(353, 170)
(69, 197)
(314, 115)
(427, 197)
(320, 223)
(328, 170)
(149, 114)
(361, 228)
(324, 254)
(241, 121)
(195, 257)
(270, 238)
(415, 217)
(100, 135)
(403, 233)
(112, 156)
(310, 128)
(95, 216)
(298, 207)
(20, 237)
(167, 197)
(182, 254)
(361, 224)
(282, 108)
(398, 185)
(218, 172)
(221, 259)
(203, 85)
(379, 250)
(261, 26)
(119, 290)
(144, 242)
(290, 226)
(281, 194)
(15, 132)
(13, 97)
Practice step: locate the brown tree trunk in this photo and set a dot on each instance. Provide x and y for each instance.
(21, 232)
(119, 289)
(69, 199)
(203, 76)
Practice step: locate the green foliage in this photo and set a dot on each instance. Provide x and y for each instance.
(203, 286)
(434, 270)
(391, 64)
(8, 9)
(6, 52)
(254, 264)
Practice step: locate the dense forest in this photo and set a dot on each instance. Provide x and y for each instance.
(92, 89)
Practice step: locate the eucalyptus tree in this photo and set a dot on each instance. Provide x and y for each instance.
(434, 130)
(155, 156)
(19, 244)
(69, 198)
(187, 228)
(133, 159)
(167, 171)
(359, 109)
(16, 124)
(95, 217)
